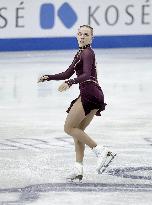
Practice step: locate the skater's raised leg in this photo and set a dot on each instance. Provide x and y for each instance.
(74, 118)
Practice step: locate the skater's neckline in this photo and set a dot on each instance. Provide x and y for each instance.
(83, 47)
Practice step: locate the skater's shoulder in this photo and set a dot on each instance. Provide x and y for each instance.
(88, 52)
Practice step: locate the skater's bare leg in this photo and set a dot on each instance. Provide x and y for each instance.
(79, 150)
(79, 146)
(74, 118)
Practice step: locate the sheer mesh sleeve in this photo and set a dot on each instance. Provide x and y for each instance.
(64, 75)
(87, 58)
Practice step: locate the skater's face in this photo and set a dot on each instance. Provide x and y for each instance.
(84, 36)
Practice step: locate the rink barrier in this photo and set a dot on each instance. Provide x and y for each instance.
(31, 44)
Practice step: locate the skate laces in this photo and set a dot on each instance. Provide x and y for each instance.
(78, 168)
(99, 150)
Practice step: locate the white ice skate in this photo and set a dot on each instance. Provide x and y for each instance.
(104, 158)
(77, 173)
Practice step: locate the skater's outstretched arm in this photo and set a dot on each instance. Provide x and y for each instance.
(64, 75)
(60, 76)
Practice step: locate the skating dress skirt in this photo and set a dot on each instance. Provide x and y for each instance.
(92, 97)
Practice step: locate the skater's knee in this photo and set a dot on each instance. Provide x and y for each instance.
(67, 129)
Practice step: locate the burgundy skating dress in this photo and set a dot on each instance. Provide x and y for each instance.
(91, 93)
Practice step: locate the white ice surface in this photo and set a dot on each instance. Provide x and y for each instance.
(35, 152)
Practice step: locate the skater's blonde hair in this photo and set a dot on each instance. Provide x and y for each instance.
(87, 26)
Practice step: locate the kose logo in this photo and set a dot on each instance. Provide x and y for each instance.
(65, 13)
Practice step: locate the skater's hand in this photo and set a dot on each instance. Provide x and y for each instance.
(63, 87)
(43, 78)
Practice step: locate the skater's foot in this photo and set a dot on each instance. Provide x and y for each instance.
(77, 173)
(109, 159)
(104, 158)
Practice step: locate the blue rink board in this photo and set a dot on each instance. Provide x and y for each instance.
(30, 44)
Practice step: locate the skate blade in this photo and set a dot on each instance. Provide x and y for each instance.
(77, 179)
(106, 165)
(103, 161)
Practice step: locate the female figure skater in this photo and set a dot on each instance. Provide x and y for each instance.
(90, 102)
